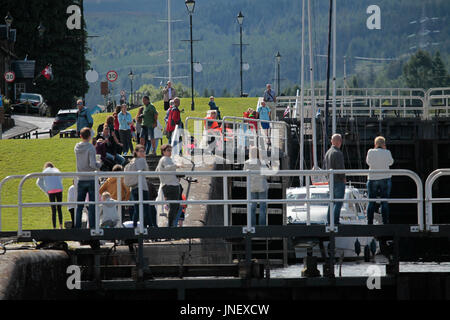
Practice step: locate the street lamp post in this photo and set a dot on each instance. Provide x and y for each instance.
(240, 19)
(278, 57)
(131, 76)
(8, 20)
(190, 5)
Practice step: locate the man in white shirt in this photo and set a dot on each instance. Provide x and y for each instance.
(379, 184)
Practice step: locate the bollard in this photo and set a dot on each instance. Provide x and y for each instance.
(310, 265)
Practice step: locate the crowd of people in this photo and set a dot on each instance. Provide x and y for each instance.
(108, 149)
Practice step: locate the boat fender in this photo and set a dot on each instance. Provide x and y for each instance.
(357, 247)
(373, 247)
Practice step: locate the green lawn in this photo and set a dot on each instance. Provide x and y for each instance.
(27, 156)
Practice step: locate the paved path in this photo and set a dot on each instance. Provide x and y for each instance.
(26, 124)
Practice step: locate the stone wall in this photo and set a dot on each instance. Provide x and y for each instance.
(33, 275)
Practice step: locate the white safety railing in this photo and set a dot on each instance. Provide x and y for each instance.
(429, 200)
(96, 231)
(243, 133)
(403, 102)
(439, 101)
(273, 125)
(2, 183)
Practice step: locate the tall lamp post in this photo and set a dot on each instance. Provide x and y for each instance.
(131, 77)
(240, 19)
(8, 20)
(190, 5)
(278, 58)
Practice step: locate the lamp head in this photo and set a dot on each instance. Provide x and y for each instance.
(240, 18)
(278, 57)
(41, 29)
(190, 5)
(9, 19)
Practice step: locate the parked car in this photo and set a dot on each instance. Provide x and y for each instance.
(64, 119)
(30, 103)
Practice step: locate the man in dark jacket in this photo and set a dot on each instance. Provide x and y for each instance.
(334, 159)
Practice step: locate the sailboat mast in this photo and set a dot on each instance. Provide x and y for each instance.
(313, 99)
(169, 28)
(334, 68)
(302, 95)
(327, 99)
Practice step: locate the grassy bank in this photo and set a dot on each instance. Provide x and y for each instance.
(27, 156)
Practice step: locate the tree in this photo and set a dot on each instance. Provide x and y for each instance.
(418, 71)
(206, 93)
(440, 76)
(59, 46)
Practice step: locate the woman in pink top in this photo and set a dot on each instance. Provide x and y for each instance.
(52, 185)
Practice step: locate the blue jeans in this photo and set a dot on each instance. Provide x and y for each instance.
(85, 187)
(339, 192)
(117, 158)
(262, 208)
(149, 211)
(380, 188)
(147, 133)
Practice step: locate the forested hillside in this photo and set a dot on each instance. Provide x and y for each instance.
(132, 37)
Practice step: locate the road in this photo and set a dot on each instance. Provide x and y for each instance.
(43, 123)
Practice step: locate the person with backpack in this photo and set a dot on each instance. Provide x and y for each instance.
(139, 163)
(52, 186)
(84, 118)
(173, 119)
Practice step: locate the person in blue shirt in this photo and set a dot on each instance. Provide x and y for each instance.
(263, 113)
(212, 106)
(125, 121)
(84, 118)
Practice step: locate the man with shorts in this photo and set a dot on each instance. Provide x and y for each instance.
(149, 122)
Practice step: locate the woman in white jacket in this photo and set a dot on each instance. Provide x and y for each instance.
(158, 132)
(52, 186)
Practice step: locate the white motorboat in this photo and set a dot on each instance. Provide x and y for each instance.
(351, 213)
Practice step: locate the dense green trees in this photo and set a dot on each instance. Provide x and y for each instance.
(425, 71)
(60, 47)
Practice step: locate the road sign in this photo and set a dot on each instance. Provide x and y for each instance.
(92, 76)
(10, 76)
(104, 88)
(112, 76)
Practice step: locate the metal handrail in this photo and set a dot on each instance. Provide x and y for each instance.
(259, 121)
(429, 200)
(1, 186)
(225, 174)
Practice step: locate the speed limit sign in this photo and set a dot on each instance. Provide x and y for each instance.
(112, 76)
(10, 76)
